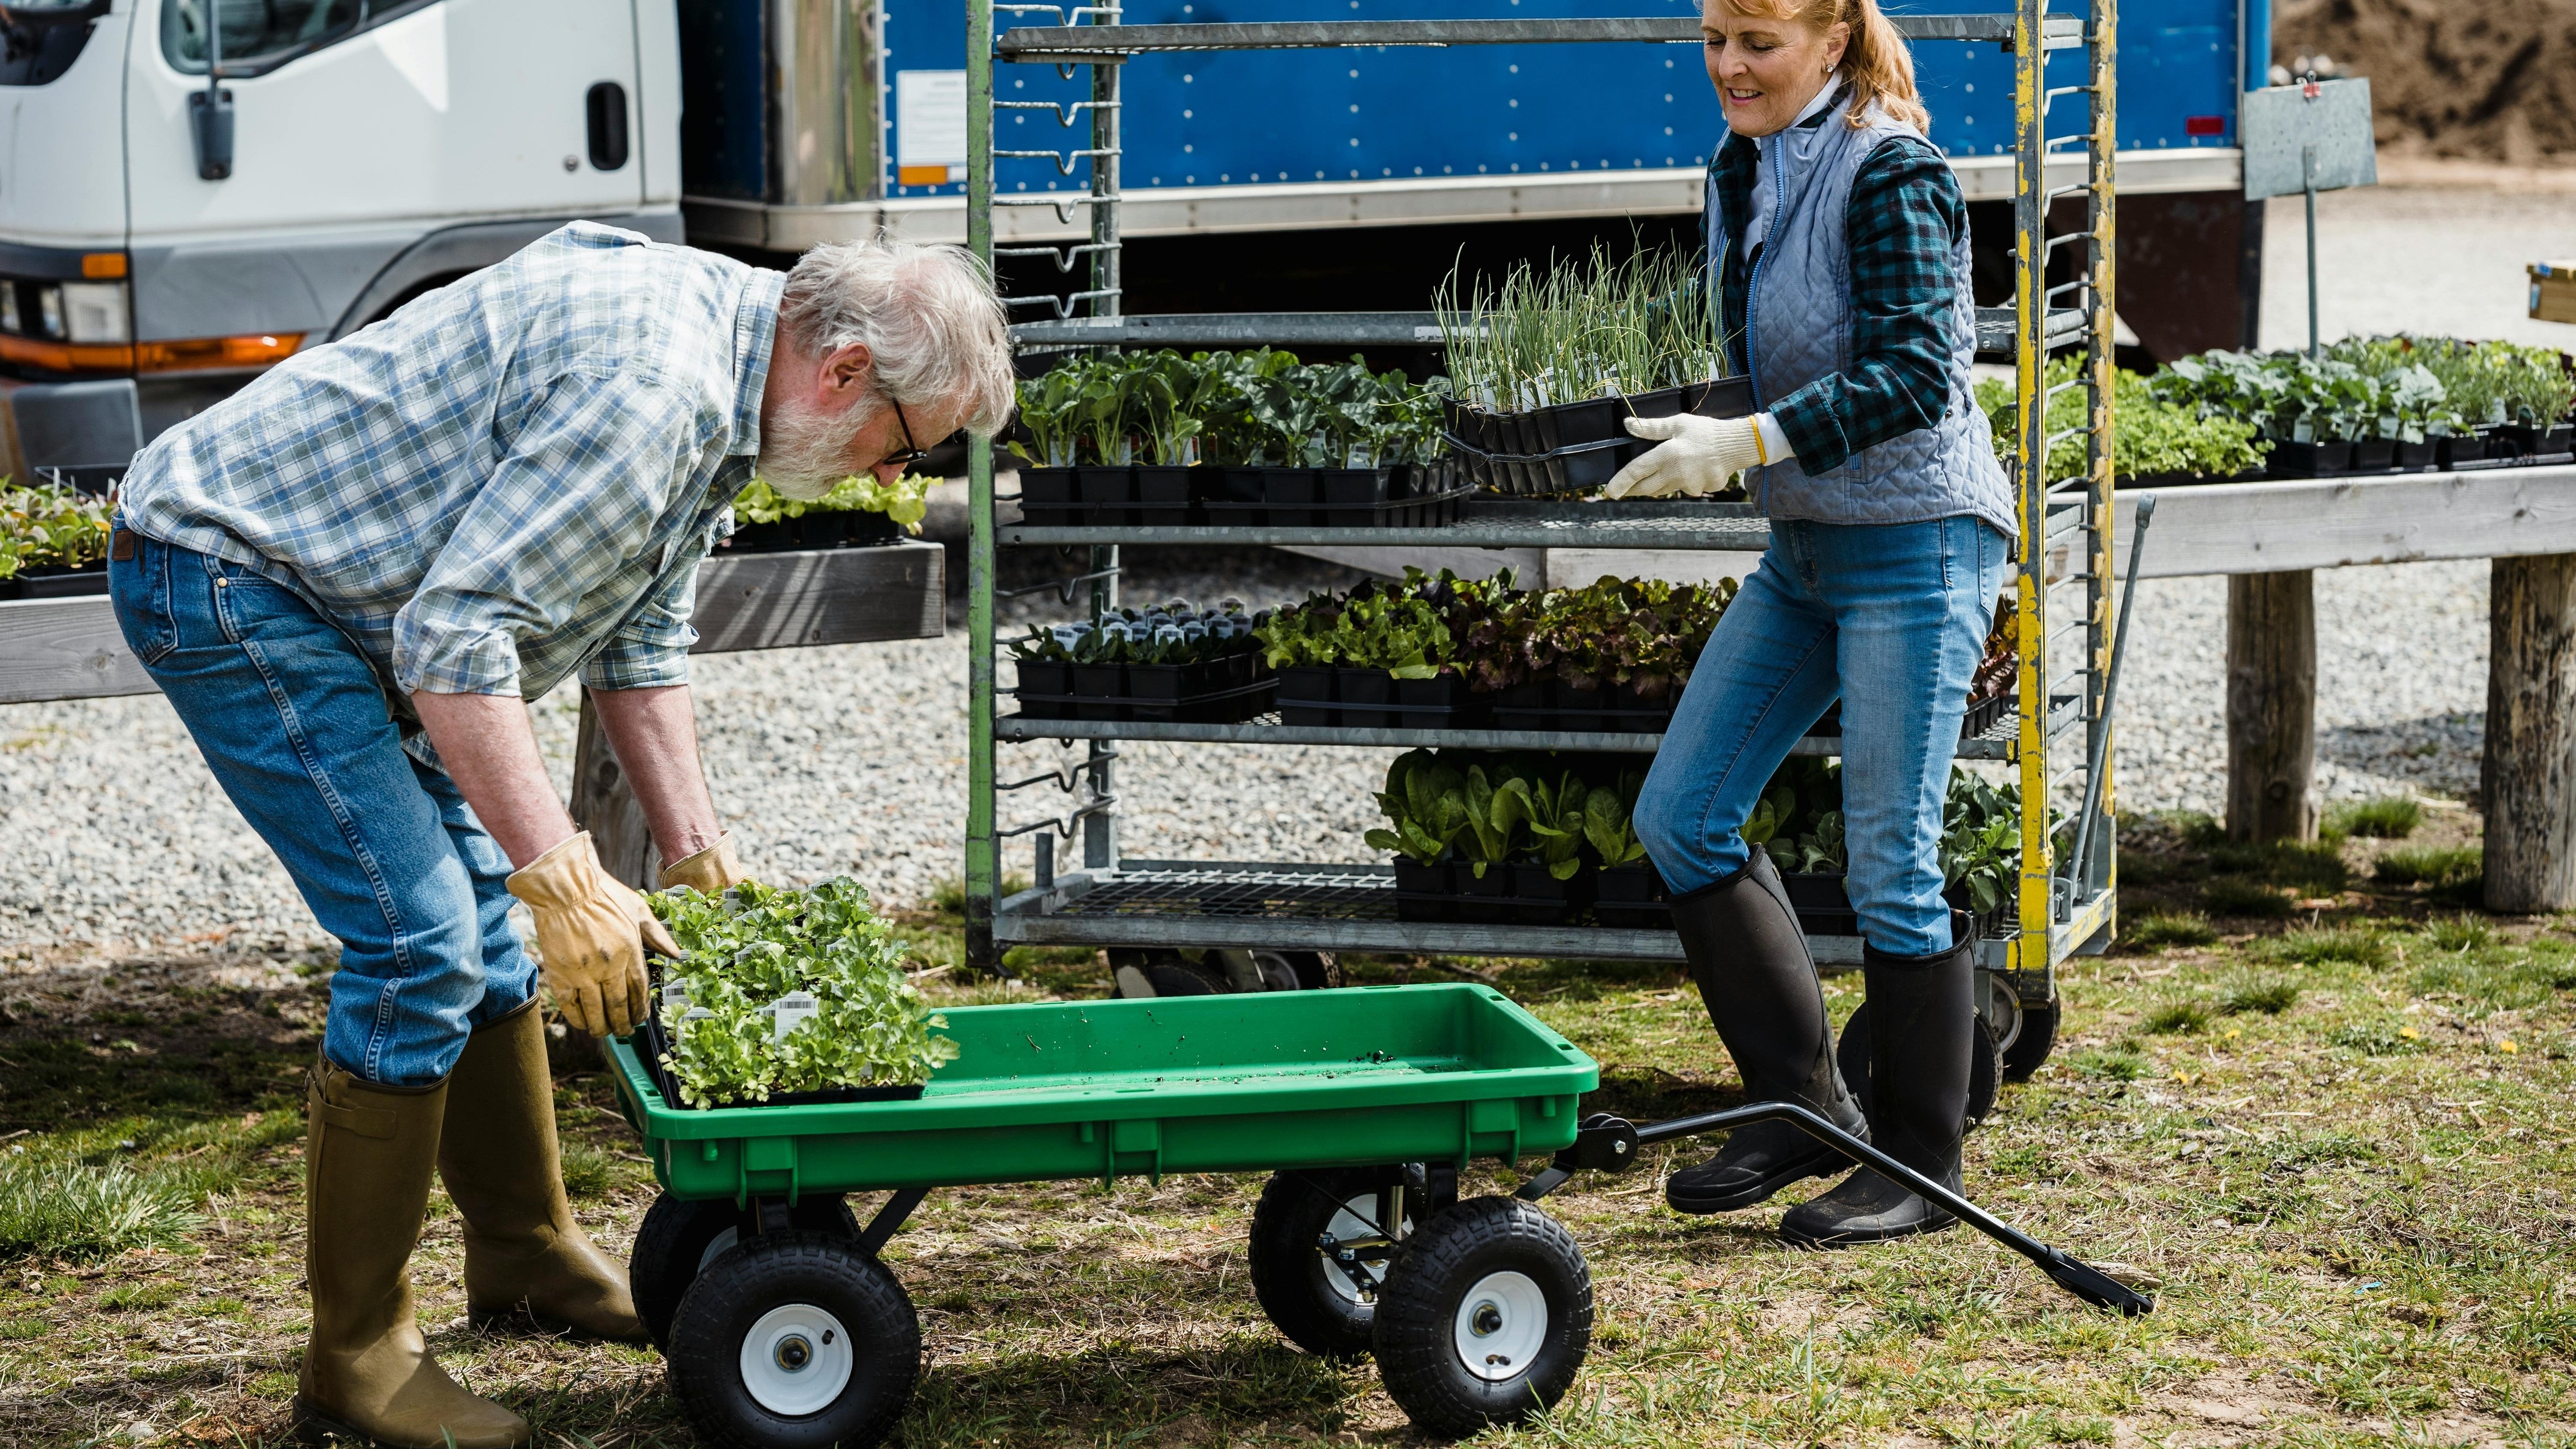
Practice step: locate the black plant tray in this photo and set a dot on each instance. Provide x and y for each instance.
(78, 583)
(1981, 717)
(1229, 706)
(1550, 705)
(846, 528)
(1576, 447)
(1509, 894)
(650, 1043)
(1408, 511)
(1373, 699)
(1824, 907)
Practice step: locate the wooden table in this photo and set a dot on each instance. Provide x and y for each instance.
(55, 649)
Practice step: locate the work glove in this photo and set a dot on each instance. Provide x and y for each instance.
(1698, 456)
(592, 930)
(708, 872)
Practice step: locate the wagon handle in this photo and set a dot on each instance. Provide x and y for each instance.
(1609, 1143)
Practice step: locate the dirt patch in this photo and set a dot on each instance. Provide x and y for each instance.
(2494, 80)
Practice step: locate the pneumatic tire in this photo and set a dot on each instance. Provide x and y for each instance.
(795, 1340)
(1484, 1318)
(680, 1237)
(1313, 1303)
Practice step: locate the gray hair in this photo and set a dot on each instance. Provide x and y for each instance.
(926, 313)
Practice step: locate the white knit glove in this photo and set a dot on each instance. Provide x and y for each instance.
(1699, 456)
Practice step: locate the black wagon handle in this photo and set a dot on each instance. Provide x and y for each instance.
(1609, 1143)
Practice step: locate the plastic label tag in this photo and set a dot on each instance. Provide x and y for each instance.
(790, 1012)
(675, 997)
(695, 1013)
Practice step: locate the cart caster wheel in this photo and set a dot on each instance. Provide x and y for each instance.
(1484, 1318)
(795, 1340)
(680, 1238)
(1852, 1053)
(2030, 1047)
(1311, 1301)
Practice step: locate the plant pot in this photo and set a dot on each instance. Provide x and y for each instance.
(1567, 425)
(2458, 448)
(1353, 487)
(1441, 691)
(1047, 497)
(2415, 457)
(2311, 460)
(1663, 402)
(1099, 688)
(2374, 455)
(1816, 891)
(1158, 681)
(1160, 484)
(1206, 482)
(1306, 696)
(1288, 487)
(1433, 897)
(1236, 483)
(1494, 884)
(1364, 686)
(1628, 884)
(1038, 676)
(1725, 397)
(1106, 493)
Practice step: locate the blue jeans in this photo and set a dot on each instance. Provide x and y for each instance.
(293, 721)
(1890, 618)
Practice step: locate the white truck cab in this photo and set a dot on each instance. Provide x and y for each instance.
(144, 273)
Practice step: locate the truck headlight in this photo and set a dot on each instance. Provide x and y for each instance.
(94, 312)
(49, 311)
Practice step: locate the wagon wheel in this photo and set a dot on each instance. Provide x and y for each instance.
(1484, 1318)
(1165, 972)
(680, 1238)
(795, 1339)
(1310, 1299)
(2031, 1045)
(1984, 1064)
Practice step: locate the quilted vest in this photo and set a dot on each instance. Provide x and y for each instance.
(1798, 324)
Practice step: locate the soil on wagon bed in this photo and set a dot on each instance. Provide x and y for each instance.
(2335, 1137)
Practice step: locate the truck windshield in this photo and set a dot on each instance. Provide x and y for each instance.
(261, 35)
(39, 41)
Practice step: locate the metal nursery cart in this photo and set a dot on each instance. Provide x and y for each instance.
(2059, 738)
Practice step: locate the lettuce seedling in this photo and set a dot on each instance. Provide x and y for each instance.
(783, 990)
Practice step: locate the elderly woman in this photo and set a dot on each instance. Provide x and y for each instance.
(1839, 240)
(348, 577)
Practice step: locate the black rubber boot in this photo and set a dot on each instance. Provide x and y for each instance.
(1921, 1012)
(1750, 960)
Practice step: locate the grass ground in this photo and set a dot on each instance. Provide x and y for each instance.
(2326, 1115)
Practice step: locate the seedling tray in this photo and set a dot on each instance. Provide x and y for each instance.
(845, 528)
(1225, 706)
(1354, 698)
(1064, 1091)
(1508, 894)
(651, 1043)
(1412, 511)
(55, 584)
(1576, 447)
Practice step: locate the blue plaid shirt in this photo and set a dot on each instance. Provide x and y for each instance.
(513, 477)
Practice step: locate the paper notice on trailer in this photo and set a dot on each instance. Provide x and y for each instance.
(929, 127)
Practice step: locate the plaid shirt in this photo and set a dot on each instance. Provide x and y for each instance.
(1906, 213)
(512, 477)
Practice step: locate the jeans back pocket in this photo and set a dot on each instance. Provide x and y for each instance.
(138, 585)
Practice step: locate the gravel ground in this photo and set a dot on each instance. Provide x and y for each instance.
(853, 759)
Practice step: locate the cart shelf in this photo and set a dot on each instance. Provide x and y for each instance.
(1487, 523)
(1995, 744)
(1302, 907)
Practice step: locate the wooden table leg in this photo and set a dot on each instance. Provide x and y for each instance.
(2271, 706)
(603, 805)
(2529, 772)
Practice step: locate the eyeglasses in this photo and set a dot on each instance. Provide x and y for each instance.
(911, 452)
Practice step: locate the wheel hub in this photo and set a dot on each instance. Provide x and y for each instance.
(796, 1360)
(1356, 1222)
(1500, 1327)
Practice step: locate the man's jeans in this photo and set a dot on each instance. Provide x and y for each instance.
(1892, 618)
(292, 720)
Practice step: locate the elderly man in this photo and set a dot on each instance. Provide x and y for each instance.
(348, 576)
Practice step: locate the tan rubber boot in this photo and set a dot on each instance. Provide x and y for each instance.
(523, 1251)
(367, 1376)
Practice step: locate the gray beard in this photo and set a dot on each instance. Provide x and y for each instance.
(805, 453)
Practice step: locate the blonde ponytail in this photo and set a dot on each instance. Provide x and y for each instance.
(1875, 60)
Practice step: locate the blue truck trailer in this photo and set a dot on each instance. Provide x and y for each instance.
(382, 147)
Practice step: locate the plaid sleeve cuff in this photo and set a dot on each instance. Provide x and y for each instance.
(454, 661)
(625, 666)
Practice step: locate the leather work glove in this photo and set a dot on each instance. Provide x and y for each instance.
(708, 872)
(1698, 457)
(592, 930)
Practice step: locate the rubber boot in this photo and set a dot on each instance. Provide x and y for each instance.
(504, 1169)
(1922, 1011)
(1749, 956)
(368, 1377)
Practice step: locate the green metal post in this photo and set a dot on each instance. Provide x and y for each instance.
(983, 850)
